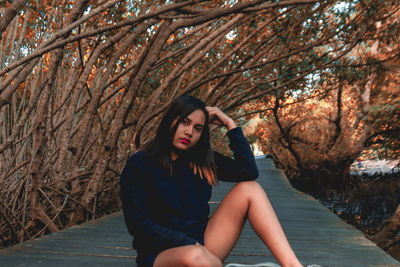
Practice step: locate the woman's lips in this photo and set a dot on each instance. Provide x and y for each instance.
(185, 141)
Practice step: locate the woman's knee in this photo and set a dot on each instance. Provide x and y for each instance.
(249, 187)
(250, 190)
(196, 256)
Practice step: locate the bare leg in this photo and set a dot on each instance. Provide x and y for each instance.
(187, 256)
(247, 199)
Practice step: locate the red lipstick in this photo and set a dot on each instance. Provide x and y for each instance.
(185, 141)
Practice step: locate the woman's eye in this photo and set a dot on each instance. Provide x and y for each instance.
(198, 129)
(186, 123)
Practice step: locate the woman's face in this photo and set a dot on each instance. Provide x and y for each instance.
(189, 130)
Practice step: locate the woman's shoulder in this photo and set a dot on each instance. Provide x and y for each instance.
(138, 157)
(138, 163)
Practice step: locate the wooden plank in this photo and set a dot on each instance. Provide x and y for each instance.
(316, 235)
(102, 242)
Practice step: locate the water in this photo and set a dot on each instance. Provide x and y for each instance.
(368, 214)
(366, 208)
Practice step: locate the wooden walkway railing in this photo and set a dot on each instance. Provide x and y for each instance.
(316, 235)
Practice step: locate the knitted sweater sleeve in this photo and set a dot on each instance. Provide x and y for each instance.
(133, 196)
(243, 166)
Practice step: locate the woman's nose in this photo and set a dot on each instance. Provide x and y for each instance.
(189, 130)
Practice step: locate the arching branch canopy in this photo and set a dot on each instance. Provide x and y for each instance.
(82, 80)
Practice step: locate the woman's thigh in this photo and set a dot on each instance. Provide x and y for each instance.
(226, 223)
(191, 255)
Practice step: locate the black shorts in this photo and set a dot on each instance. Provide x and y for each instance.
(146, 261)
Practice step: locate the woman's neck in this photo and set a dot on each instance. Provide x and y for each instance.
(174, 155)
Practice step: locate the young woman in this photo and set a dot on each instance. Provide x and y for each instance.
(166, 186)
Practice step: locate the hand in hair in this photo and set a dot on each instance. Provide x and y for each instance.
(218, 117)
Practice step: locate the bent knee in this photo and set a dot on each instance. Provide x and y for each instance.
(196, 256)
(249, 186)
(250, 189)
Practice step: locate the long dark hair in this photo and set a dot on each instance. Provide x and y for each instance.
(200, 156)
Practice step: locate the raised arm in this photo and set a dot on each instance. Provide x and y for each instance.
(243, 166)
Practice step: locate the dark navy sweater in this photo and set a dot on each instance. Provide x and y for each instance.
(163, 211)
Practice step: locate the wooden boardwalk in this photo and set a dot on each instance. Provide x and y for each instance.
(316, 235)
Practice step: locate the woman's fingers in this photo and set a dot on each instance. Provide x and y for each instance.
(216, 115)
(220, 118)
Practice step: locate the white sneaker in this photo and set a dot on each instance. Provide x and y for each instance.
(264, 264)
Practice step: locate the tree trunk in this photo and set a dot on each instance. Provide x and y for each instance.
(388, 237)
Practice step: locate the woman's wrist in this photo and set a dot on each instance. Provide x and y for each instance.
(230, 125)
